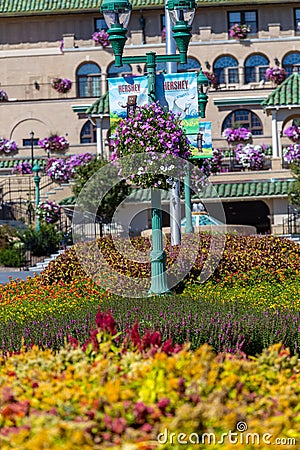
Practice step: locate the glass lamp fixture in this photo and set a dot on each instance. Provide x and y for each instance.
(116, 12)
(182, 10)
(182, 13)
(116, 15)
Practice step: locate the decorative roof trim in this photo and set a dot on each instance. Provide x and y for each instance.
(239, 101)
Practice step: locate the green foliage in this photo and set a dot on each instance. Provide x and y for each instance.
(97, 186)
(11, 248)
(12, 257)
(294, 195)
(42, 242)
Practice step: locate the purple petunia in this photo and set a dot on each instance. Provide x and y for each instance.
(61, 85)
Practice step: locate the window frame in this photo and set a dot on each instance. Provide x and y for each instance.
(89, 82)
(92, 134)
(296, 21)
(243, 21)
(257, 69)
(244, 123)
(228, 71)
(96, 28)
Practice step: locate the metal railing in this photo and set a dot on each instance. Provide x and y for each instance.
(291, 225)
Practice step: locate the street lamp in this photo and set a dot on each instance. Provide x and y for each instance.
(117, 14)
(202, 84)
(35, 169)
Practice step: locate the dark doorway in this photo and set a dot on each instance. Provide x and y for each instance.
(248, 213)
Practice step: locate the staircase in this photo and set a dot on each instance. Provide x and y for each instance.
(42, 265)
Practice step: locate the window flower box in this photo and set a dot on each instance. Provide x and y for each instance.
(3, 96)
(101, 38)
(250, 156)
(239, 31)
(291, 154)
(7, 146)
(237, 134)
(54, 143)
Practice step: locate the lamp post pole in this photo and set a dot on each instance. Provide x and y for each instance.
(116, 14)
(35, 169)
(202, 81)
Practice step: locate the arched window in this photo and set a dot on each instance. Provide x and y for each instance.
(88, 80)
(88, 133)
(243, 118)
(291, 63)
(114, 72)
(255, 68)
(226, 69)
(192, 64)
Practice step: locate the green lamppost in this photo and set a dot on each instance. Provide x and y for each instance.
(117, 14)
(36, 169)
(202, 82)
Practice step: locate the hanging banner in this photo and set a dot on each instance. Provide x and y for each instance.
(125, 94)
(178, 93)
(201, 143)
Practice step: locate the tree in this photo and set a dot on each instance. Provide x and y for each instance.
(97, 185)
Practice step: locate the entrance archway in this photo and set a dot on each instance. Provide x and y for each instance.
(255, 213)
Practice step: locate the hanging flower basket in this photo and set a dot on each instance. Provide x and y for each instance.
(101, 38)
(291, 154)
(62, 171)
(3, 96)
(275, 74)
(61, 85)
(217, 160)
(48, 212)
(293, 133)
(150, 131)
(250, 156)
(237, 134)
(239, 31)
(212, 78)
(54, 143)
(7, 147)
(23, 168)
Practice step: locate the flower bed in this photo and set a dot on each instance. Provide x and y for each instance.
(131, 395)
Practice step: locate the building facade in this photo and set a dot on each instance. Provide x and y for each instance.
(45, 39)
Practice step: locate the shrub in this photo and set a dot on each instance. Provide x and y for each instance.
(42, 242)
